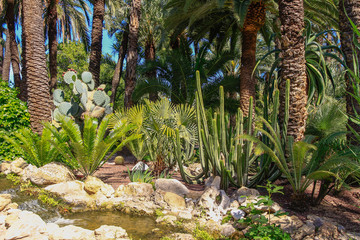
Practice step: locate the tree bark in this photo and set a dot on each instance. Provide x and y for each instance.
(149, 57)
(52, 35)
(293, 66)
(1, 54)
(132, 55)
(7, 58)
(352, 8)
(119, 65)
(96, 40)
(14, 52)
(35, 65)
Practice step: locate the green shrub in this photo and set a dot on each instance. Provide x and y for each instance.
(13, 116)
(140, 176)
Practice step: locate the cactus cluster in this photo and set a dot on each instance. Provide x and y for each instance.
(85, 99)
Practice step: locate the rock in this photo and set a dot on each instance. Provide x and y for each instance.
(227, 230)
(305, 230)
(208, 199)
(171, 185)
(174, 200)
(92, 185)
(355, 236)
(73, 193)
(181, 236)
(213, 182)
(135, 189)
(185, 215)
(5, 166)
(245, 192)
(51, 173)
(225, 202)
(142, 207)
(28, 224)
(71, 232)
(289, 224)
(195, 169)
(5, 200)
(237, 214)
(19, 163)
(167, 219)
(328, 231)
(317, 221)
(140, 166)
(106, 232)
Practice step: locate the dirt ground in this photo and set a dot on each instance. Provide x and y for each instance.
(343, 208)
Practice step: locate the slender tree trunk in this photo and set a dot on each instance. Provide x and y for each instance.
(132, 55)
(14, 52)
(7, 58)
(35, 65)
(52, 35)
(149, 57)
(119, 65)
(96, 40)
(352, 8)
(1, 54)
(293, 66)
(23, 57)
(255, 19)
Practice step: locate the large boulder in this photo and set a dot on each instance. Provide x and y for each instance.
(171, 185)
(51, 173)
(28, 225)
(19, 163)
(94, 185)
(106, 232)
(71, 232)
(73, 193)
(135, 189)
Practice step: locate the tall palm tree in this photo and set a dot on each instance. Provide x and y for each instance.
(15, 59)
(52, 36)
(293, 66)
(349, 9)
(7, 58)
(132, 54)
(96, 39)
(34, 64)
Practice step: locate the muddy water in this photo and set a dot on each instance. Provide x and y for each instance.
(138, 227)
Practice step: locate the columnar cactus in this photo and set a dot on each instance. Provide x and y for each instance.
(85, 100)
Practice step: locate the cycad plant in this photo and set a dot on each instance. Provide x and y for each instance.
(89, 148)
(36, 149)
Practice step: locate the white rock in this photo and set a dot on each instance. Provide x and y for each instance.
(140, 166)
(110, 233)
(237, 214)
(227, 230)
(71, 232)
(135, 189)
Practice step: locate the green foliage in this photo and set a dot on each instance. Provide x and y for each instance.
(158, 123)
(266, 232)
(13, 116)
(88, 149)
(36, 150)
(221, 149)
(201, 234)
(140, 176)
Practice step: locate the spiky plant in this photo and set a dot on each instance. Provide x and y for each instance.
(89, 149)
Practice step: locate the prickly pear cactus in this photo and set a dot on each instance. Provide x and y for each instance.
(85, 99)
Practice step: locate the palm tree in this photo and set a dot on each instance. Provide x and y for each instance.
(15, 59)
(7, 58)
(349, 9)
(52, 36)
(96, 39)
(293, 67)
(132, 54)
(34, 64)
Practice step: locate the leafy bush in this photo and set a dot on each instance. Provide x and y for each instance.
(13, 116)
(88, 149)
(36, 150)
(140, 176)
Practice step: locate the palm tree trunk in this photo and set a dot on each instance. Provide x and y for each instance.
(119, 65)
(293, 66)
(52, 35)
(352, 9)
(7, 58)
(132, 55)
(35, 65)
(1, 54)
(255, 19)
(149, 57)
(14, 52)
(96, 40)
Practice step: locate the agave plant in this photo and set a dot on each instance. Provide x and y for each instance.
(36, 149)
(88, 149)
